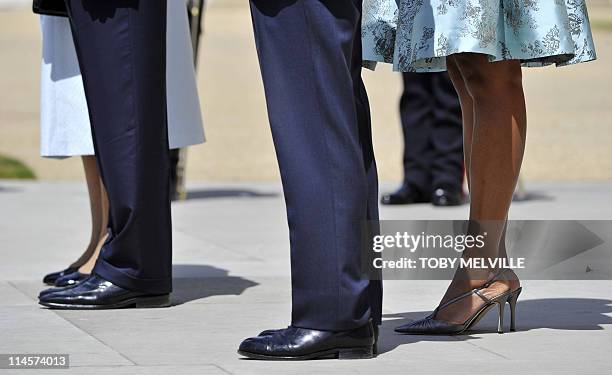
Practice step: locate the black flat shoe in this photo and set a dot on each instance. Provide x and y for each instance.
(295, 343)
(96, 293)
(405, 195)
(70, 279)
(446, 197)
(51, 278)
(270, 332)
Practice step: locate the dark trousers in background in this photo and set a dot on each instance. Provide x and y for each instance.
(432, 126)
(121, 46)
(310, 58)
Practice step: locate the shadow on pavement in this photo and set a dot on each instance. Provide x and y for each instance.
(551, 313)
(192, 282)
(227, 193)
(530, 196)
(9, 189)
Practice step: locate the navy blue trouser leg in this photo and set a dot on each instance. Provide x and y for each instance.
(310, 57)
(121, 46)
(432, 126)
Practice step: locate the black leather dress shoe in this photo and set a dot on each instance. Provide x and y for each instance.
(53, 290)
(270, 332)
(51, 278)
(446, 197)
(405, 195)
(70, 279)
(295, 343)
(96, 293)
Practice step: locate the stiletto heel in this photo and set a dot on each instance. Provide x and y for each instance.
(512, 302)
(500, 323)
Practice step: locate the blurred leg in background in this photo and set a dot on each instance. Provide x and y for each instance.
(433, 151)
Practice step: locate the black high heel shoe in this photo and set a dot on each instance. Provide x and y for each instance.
(51, 278)
(431, 326)
(70, 279)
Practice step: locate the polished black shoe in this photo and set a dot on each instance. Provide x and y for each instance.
(96, 293)
(70, 279)
(53, 290)
(270, 332)
(51, 278)
(405, 195)
(295, 343)
(446, 197)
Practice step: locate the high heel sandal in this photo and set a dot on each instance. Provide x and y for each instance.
(431, 326)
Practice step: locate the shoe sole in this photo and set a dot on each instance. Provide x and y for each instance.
(345, 353)
(138, 302)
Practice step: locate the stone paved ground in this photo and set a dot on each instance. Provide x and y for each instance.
(232, 280)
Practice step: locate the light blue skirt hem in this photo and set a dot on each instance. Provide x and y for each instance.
(418, 35)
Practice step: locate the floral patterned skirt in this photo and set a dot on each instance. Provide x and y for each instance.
(417, 35)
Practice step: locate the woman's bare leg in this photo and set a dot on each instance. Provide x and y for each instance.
(494, 138)
(467, 111)
(103, 219)
(98, 203)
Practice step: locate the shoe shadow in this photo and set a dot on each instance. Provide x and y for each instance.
(193, 282)
(552, 313)
(227, 193)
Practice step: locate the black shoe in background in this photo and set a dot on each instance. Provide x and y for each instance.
(407, 194)
(446, 197)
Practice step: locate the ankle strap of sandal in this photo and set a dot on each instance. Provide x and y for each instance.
(494, 278)
(473, 291)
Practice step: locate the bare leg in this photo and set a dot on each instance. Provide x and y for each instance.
(103, 230)
(467, 108)
(493, 105)
(98, 203)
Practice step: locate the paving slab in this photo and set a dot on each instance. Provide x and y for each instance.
(231, 280)
(29, 329)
